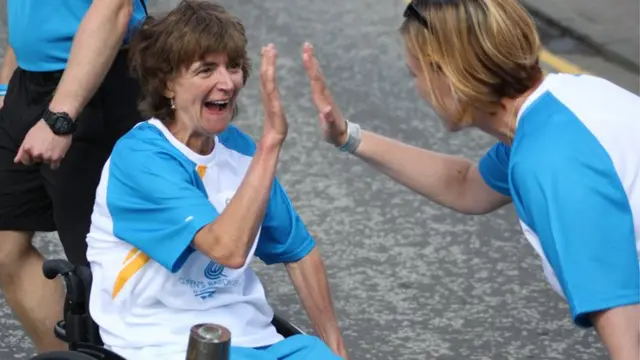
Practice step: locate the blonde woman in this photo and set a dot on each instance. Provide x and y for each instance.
(566, 155)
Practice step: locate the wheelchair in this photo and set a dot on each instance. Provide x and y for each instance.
(78, 329)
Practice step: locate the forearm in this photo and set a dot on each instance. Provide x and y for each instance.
(309, 278)
(229, 238)
(9, 65)
(94, 47)
(619, 330)
(438, 177)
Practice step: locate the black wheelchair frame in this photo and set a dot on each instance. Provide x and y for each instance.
(78, 329)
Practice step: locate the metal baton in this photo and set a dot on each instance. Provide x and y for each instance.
(209, 342)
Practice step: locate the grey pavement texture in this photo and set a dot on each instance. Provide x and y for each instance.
(410, 279)
(575, 51)
(612, 25)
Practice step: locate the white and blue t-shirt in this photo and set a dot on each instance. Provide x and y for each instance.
(573, 173)
(149, 284)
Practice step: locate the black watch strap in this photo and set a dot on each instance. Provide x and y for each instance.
(59, 122)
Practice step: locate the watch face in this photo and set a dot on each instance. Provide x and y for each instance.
(61, 125)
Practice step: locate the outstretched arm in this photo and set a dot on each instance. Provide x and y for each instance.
(309, 278)
(450, 181)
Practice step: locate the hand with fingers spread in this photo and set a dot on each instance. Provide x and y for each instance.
(275, 126)
(334, 125)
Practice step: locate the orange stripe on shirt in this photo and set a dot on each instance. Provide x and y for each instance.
(130, 255)
(129, 270)
(201, 170)
(138, 258)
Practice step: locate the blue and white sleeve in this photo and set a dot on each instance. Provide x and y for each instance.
(283, 237)
(156, 201)
(494, 168)
(578, 207)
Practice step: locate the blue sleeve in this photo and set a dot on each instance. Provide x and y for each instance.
(156, 201)
(576, 204)
(283, 237)
(494, 168)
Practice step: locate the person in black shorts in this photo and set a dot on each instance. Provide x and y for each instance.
(67, 97)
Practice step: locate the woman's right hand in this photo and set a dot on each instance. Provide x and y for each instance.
(333, 124)
(275, 125)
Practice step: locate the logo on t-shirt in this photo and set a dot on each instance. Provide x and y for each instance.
(214, 271)
(214, 280)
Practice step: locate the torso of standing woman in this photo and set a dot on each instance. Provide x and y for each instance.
(41, 32)
(573, 173)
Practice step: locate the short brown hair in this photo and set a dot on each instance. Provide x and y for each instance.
(165, 45)
(487, 49)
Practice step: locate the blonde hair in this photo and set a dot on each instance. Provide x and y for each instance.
(487, 50)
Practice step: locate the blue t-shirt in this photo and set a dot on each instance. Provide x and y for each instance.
(573, 173)
(41, 31)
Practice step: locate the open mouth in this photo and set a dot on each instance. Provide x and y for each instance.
(217, 105)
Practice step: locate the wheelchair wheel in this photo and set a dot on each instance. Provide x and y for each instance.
(63, 355)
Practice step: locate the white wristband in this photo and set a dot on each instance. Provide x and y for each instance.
(353, 138)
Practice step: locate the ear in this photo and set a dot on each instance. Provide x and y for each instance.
(168, 91)
(505, 104)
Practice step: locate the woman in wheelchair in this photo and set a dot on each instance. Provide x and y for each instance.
(186, 200)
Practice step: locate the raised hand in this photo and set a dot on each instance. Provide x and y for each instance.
(332, 122)
(275, 125)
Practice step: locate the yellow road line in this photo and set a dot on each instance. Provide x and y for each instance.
(559, 64)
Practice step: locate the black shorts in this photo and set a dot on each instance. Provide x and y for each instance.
(36, 198)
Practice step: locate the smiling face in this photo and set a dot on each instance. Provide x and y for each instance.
(204, 94)
(191, 64)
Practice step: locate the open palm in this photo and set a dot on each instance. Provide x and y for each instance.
(275, 126)
(332, 122)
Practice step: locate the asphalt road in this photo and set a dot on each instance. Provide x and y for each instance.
(410, 279)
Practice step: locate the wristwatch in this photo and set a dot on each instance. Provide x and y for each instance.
(353, 138)
(59, 122)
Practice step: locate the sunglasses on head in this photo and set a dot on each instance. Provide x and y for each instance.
(412, 12)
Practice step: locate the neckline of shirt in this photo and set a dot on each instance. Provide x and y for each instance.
(194, 156)
(542, 88)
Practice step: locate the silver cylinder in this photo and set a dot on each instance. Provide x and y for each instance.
(209, 342)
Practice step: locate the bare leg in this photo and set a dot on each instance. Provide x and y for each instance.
(36, 301)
